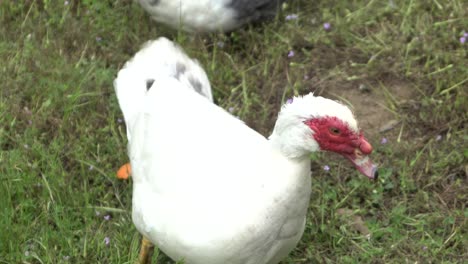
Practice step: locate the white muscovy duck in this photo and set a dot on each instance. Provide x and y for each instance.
(210, 15)
(207, 188)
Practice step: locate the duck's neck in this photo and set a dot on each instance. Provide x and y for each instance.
(294, 142)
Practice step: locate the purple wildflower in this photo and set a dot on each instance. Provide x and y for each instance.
(289, 101)
(326, 168)
(383, 141)
(327, 26)
(107, 241)
(292, 17)
(107, 217)
(465, 34)
(291, 54)
(463, 40)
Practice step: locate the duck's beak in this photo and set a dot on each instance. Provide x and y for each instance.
(364, 164)
(360, 158)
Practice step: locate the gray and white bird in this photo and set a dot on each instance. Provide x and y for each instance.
(210, 15)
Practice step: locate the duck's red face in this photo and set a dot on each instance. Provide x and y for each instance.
(332, 134)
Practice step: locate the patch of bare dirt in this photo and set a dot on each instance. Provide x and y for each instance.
(370, 104)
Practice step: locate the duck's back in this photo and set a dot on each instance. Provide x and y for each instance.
(210, 15)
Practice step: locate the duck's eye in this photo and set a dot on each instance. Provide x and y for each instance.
(334, 131)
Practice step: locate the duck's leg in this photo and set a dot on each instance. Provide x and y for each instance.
(146, 251)
(147, 248)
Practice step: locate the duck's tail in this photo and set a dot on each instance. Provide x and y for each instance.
(158, 58)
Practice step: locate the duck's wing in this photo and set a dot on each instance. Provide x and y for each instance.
(201, 178)
(192, 16)
(210, 15)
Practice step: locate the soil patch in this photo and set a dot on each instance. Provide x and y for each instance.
(370, 103)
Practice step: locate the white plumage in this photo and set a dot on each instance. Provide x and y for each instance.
(207, 188)
(209, 15)
(156, 60)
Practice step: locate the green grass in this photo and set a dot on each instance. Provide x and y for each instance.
(61, 140)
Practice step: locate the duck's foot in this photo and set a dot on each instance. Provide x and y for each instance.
(146, 251)
(124, 171)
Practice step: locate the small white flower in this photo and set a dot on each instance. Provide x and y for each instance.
(292, 17)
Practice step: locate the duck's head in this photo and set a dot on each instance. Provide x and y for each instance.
(313, 123)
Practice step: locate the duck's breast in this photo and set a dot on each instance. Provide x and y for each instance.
(206, 187)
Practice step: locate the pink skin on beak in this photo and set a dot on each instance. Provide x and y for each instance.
(362, 162)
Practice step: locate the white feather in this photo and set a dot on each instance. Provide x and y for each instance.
(207, 188)
(209, 15)
(160, 58)
(205, 15)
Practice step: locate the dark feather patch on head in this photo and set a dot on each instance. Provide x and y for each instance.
(180, 69)
(197, 86)
(149, 83)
